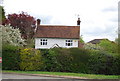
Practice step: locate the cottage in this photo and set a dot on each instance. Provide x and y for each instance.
(50, 36)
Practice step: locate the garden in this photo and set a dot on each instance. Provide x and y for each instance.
(18, 53)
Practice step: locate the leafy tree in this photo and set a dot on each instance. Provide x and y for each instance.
(109, 46)
(11, 36)
(2, 15)
(81, 39)
(24, 22)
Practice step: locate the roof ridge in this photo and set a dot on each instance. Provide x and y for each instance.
(58, 25)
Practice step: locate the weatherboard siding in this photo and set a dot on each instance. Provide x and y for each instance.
(53, 41)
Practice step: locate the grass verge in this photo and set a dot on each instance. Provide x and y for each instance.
(88, 76)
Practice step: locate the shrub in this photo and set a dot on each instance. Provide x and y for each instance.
(49, 60)
(91, 46)
(11, 36)
(30, 59)
(103, 63)
(64, 59)
(10, 57)
(80, 60)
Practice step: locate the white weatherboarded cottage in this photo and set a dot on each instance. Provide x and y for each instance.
(50, 36)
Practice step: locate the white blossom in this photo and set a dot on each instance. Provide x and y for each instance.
(11, 36)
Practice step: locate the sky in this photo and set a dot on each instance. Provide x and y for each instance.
(99, 18)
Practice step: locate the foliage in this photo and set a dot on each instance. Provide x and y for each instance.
(10, 57)
(57, 59)
(109, 46)
(103, 63)
(65, 60)
(91, 46)
(24, 22)
(80, 60)
(81, 39)
(2, 15)
(49, 60)
(30, 59)
(11, 36)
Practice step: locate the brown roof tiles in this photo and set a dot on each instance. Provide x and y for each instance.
(52, 31)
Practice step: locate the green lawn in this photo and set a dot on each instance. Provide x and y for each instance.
(88, 76)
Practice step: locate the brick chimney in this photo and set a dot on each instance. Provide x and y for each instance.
(38, 22)
(78, 22)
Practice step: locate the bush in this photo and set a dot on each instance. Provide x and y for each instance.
(66, 60)
(103, 63)
(30, 59)
(11, 36)
(10, 57)
(80, 60)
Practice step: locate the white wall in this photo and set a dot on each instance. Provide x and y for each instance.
(53, 41)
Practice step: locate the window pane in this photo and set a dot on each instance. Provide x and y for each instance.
(71, 44)
(68, 44)
(41, 43)
(45, 43)
(68, 40)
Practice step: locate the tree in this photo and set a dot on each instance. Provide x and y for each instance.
(2, 15)
(24, 22)
(11, 36)
(109, 46)
(81, 39)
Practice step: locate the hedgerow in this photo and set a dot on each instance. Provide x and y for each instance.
(78, 60)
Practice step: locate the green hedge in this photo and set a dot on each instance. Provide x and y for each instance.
(66, 60)
(104, 63)
(10, 57)
(77, 60)
(80, 60)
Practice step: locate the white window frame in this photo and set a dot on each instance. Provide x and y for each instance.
(43, 42)
(69, 42)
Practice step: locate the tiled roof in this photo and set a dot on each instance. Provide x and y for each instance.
(54, 31)
(96, 41)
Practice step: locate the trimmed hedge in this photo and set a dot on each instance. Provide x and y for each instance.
(80, 60)
(10, 57)
(77, 60)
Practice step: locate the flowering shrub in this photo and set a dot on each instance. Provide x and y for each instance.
(92, 46)
(30, 59)
(11, 36)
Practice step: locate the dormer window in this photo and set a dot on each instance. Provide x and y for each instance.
(69, 42)
(43, 42)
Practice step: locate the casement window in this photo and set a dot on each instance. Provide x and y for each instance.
(43, 41)
(69, 42)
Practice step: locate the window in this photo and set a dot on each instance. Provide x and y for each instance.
(43, 42)
(69, 42)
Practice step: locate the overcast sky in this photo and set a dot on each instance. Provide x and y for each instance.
(99, 18)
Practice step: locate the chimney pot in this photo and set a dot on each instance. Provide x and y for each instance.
(78, 22)
(38, 21)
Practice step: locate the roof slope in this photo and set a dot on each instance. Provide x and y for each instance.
(50, 31)
(97, 41)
